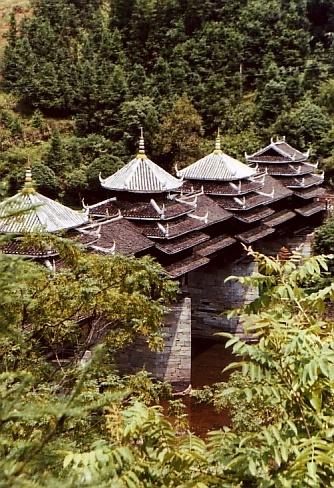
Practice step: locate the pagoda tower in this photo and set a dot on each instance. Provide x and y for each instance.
(291, 168)
(150, 200)
(256, 201)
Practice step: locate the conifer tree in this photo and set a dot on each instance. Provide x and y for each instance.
(54, 157)
(180, 135)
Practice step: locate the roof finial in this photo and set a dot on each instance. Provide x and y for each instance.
(217, 145)
(141, 152)
(28, 172)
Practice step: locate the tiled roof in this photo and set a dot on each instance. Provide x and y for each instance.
(261, 190)
(311, 192)
(170, 230)
(303, 181)
(311, 209)
(181, 243)
(279, 217)
(119, 233)
(186, 265)
(214, 245)
(141, 175)
(154, 210)
(249, 216)
(221, 187)
(36, 213)
(280, 191)
(255, 234)
(287, 169)
(19, 247)
(267, 158)
(106, 208)
(204, 213)
(84, 239)
(253, 200)
(250, 201)
(207, 206)
(217, 166)
(278, 150)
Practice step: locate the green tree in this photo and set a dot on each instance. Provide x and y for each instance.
(80, 291)
(45, 179)
(74, 427)
(46, 410)
(103, 89)
(286, 380)
(105, 165)
(306, 124)
(55, 157)
(272, 101)
(289, 372)
(180, 134)
(139, 112)
(321, 17)
(324, 238)
(326, 95)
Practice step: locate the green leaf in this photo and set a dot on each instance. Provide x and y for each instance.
(268, 437)
(277, 456)
(68, 459)
(252, 466)
(227, 391)
(284, 452)
(316, 400)
(292, 426)
(312, 469)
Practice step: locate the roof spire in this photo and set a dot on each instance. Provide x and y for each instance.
(141, 152)
(28, 187)
(217, 145)
(28, 172)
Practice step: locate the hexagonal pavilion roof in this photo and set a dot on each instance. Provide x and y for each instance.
(217, 166)
(29, 211)
(141, 175)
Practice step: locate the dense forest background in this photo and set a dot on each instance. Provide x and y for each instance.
(79, 78)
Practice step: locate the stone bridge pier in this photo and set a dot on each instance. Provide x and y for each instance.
(213, 297)
(201, 314)
(173, 364)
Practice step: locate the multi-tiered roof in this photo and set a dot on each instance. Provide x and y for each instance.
(185, 221)
(291, 168)
(144, 195)
(250, 196)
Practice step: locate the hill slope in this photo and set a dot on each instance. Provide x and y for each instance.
(20, 7)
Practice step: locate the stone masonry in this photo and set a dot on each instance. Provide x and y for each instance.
(213, 298)
(173, 364)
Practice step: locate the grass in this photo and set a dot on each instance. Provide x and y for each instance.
(20, 7)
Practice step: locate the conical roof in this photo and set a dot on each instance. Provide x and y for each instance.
(29, 211)
(217, 166)
(141, 175)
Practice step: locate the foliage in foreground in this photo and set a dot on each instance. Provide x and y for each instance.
(90, 297)
(98, 434)
(281, 396)
(44, 314)
(288, 372)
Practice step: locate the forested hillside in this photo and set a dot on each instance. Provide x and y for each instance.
(80, 77)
